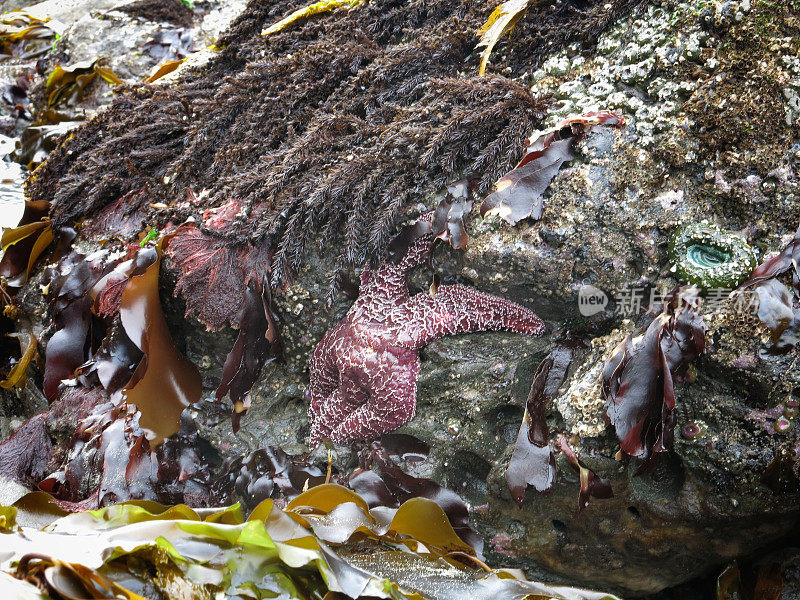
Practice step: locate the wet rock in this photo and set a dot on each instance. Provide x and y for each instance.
(97, 29)
(723, 491)
(705, 504)
(791, 577)
(607, 220)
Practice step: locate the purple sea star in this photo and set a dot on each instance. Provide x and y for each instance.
(364, 370)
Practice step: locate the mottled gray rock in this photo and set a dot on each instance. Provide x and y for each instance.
(607, 219)
(791, 577)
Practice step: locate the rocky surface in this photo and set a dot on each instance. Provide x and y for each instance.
(710, 94)
(607, 222)
(90, 29)
(791, 577)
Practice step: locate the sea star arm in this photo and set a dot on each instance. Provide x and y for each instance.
(324, 414)
(391, 403)
(455, 309)
(324, 374)
(337, 388)
(364, 371)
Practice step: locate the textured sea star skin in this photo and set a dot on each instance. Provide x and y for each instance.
(364, 370)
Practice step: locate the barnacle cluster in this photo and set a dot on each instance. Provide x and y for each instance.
(630, 73)
(581, 404)
(707, 256)
(674, 68)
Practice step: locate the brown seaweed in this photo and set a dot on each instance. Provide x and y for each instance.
(638, 378)
(787, 258)
(592, 485)
(214, 276)
(37, 447)
(518, 194)
(22, 245)
(26, 36)
(66, 83)
(501, 21)
(778, 309)
(532, 461)
(164, 382)
(67, 349)
(265, 473)
(394, 486)
(113, 363)
(160, 11)
(333, 126)
(258, 342)
(28, 350)
(171, 44)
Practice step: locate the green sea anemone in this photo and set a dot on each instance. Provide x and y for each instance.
(707, 256)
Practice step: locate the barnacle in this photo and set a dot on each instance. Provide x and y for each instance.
(707, 256)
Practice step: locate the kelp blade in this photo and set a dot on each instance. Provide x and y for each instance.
(270, 554)
(309, 11)
(164, 382)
